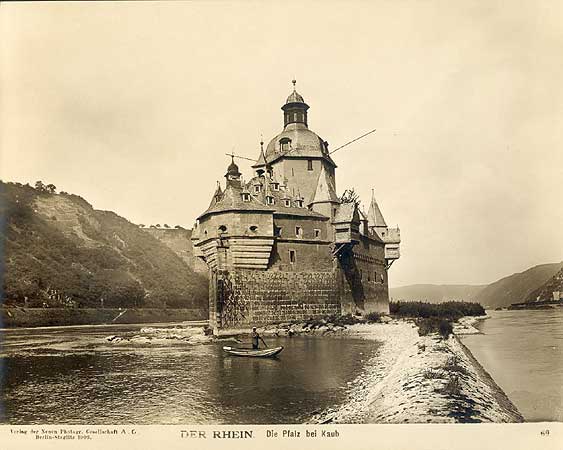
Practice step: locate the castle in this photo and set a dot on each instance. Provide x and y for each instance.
(283, 246)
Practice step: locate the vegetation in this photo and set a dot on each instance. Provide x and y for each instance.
(435, 318)
(66, 254)
(431, 325)
(350, 196)
(374, 317)
(446, 310)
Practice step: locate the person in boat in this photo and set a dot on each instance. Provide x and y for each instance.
(256, 338)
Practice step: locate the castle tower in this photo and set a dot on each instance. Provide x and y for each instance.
(390, 236)
(297, 154)
(376, 221)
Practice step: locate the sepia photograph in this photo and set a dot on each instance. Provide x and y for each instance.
(286, 217)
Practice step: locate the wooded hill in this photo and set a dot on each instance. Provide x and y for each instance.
(517, 287)
(539, 280)
(60, 252)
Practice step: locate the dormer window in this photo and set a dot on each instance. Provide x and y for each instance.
(287, 203)
(245, 197)
(299, 203)
(285, 144)
(269, 200)
(276, 186)
(257, 188)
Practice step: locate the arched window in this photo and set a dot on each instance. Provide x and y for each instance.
(253, 228)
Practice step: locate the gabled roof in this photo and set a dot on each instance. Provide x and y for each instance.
(216, 196)
(346, 212)
(375, 217)
(325, 190)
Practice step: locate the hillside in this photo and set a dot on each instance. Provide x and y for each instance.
(60, 252)
(436, 293)
(545, 291)
(517, 287)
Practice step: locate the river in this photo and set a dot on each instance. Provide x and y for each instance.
(523, 352)
(75, 375)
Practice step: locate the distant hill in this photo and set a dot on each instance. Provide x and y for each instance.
(518, 287)
(436, 293)
(546, 290)
(59, 251)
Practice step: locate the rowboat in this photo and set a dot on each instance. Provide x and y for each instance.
(260, 353)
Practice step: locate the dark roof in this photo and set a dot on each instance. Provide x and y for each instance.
(346, 212)
(279, 198)
(231, 200)
(294, 97)
(304, 143)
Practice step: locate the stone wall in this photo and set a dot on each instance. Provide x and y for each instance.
(363, 278)
(251, 297)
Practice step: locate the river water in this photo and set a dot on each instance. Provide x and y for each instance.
(523, 352)
(75, 376)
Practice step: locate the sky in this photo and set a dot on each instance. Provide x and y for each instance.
(133, 105)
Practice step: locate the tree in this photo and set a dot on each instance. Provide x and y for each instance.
(40, 186)
(166, 225)
(51, 188)
(350, 196)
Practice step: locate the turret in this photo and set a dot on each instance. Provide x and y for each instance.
(233, 174)
(295, 108)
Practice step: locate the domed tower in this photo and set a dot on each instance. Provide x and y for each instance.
(297, 154)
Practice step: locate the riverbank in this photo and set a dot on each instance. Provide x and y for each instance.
(409, 379)
(414, 379)
(20, 317)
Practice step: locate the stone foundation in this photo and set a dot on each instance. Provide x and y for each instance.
(251, 297)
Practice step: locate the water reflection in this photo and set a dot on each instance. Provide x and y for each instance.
(76, 376)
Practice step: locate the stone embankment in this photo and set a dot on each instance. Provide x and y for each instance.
(415, 379)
